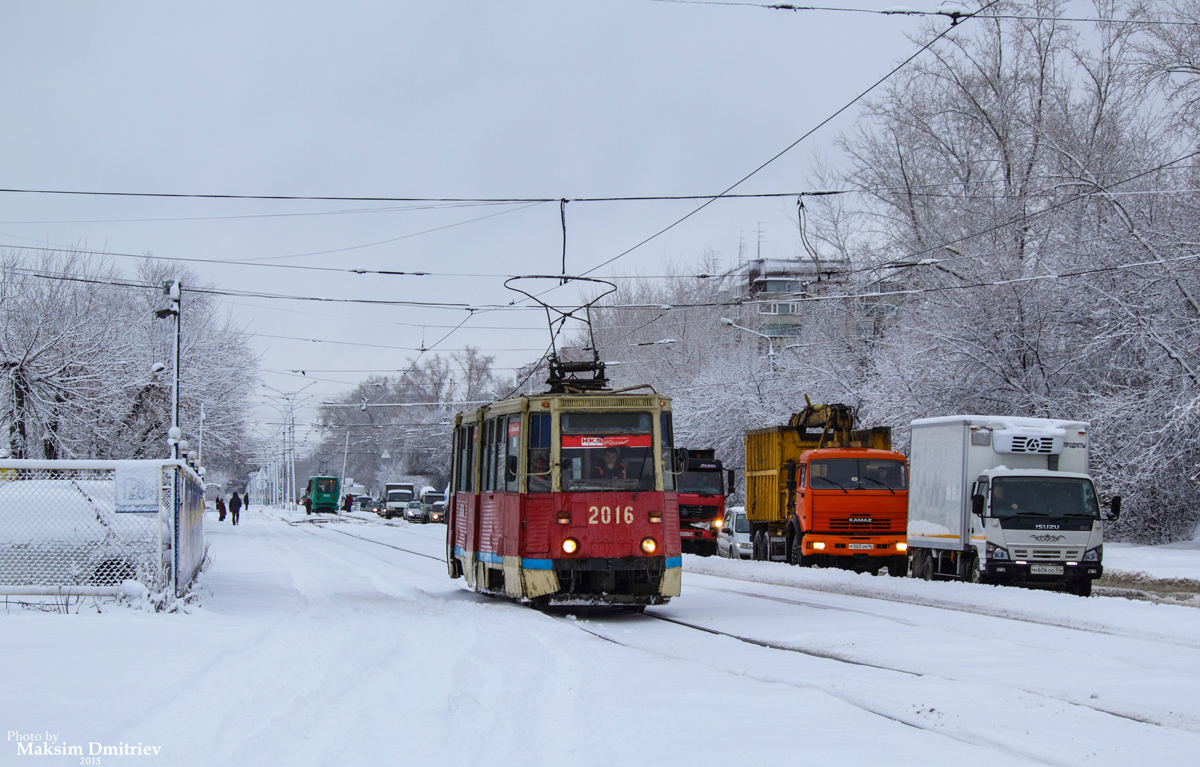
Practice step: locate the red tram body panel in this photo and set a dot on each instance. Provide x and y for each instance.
(566, 499)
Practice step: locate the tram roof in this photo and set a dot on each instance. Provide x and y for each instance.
(619, 399)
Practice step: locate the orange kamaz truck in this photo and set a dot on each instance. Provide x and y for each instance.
(819, 492)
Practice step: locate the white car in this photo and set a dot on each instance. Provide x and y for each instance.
(733, 540)
(415, 512)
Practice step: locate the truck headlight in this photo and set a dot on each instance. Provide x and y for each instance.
(1093, 555)
(819, 545)
(901, 547)
(717, 523)
(995, 552)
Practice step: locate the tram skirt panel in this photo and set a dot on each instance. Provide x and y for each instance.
(672, 580)
(538, 578)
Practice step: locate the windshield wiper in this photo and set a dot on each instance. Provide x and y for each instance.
(881, 484)
(838, 485)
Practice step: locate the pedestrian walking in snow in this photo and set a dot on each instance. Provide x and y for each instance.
(220, 509)
(348, 503)
(235, 506)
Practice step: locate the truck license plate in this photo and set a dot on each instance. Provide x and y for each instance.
(686, 534)
(1045, 569)
(860, 546)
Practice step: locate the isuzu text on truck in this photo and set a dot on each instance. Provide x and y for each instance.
(702, 489)
(819, 492)
(1004, 500)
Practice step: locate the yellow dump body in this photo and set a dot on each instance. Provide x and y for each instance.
(769, 451)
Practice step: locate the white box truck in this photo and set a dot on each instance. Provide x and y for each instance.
(396, 496)
(1004, 500)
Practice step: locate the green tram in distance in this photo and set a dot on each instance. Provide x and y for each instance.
(322, 494)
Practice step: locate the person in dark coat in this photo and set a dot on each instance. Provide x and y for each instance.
(348, 504)
(235, 506)
(220, 509)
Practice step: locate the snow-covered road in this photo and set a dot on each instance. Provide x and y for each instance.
(343, 642)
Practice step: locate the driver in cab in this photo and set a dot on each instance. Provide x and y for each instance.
(610, 467)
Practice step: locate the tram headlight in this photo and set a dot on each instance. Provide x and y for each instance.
(649, 545)
(570, 546)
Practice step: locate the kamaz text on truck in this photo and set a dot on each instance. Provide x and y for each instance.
(1005, 500)
(702, 486)
(819, 492)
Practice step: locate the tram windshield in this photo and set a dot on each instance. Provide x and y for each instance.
(607, 451)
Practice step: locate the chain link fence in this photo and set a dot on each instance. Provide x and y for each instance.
(84, 527)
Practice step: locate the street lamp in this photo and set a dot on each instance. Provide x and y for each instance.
(770, 343)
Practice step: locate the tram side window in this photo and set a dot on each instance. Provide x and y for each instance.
(466, 459)
(499, 459)
(513, 439)
(488, 446)
(539, 452)
(460, 459)
(667, 430)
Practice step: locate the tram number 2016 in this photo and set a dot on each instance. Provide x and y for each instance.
(606, 515)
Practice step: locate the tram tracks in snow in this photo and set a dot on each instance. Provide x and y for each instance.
(825, 655)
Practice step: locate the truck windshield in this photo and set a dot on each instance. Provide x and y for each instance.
(701, 482)
(1044, 496)
(607, 451)
(857, 474)
(399, 496)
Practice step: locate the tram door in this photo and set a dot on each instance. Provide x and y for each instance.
(466, 499)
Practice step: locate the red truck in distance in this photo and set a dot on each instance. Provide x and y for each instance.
(702, 487)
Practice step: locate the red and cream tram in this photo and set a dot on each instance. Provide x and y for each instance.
(566, 498)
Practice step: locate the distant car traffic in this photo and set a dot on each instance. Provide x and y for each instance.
(733, 541)
(415, 512)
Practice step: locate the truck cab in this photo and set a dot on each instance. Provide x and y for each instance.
(851, 509)
(702, 487)
(1037, 527)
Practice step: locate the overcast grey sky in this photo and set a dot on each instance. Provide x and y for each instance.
(445, 98)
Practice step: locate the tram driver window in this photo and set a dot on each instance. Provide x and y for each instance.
(607, 451)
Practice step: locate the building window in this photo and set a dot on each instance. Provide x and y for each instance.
(779, 308)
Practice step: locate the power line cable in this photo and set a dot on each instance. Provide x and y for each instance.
(957, 14)
(863, 94)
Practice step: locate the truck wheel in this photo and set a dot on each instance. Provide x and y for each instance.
(973, 573)
(898, 567)
(926, 569)
(797, 557)
(756, 551)
(1081, 588)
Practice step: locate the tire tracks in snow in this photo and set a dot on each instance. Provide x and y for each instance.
(955, 607)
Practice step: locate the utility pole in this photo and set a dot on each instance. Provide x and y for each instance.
(345, 454)
(173, 290)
